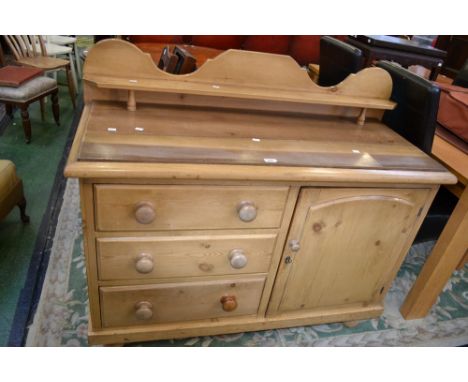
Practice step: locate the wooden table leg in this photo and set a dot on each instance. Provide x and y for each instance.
(55, 107)
(26, 122)
(9, 110)
(42, 103)
(442, 262)
(71, 86)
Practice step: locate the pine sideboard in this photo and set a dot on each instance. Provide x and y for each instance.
(239, 197)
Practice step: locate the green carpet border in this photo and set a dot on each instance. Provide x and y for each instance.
(31, 291)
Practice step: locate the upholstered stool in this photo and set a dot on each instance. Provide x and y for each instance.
(11, 191)
(28, 92)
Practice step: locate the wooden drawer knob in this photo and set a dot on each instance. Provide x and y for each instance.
(229, 303)
(247, 211)
(144, 263)
(144, 213)
(143, 310)
(237, 258)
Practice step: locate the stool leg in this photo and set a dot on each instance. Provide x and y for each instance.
(55, 107)
(9, 110)
(22, 207)
(41, 101)
(71, 88)
(26, 123)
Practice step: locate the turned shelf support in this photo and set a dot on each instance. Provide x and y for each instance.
(131, 103)
(362, 117)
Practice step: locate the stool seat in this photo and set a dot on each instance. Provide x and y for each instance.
(26, 93)
(28, 90)
(8, 178)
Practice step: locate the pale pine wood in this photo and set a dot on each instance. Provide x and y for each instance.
(452, 157)
(313, 71)
(230, 325)
(449, 250)
(89, 246)
(375, 145)
(185, 256)
(93, 93)
(156, 135)
(463, 261)
(186, 171)
(189, 207)
(343, 243)
(116, 64)
(278, 251)
(180, 301)
(106, 170)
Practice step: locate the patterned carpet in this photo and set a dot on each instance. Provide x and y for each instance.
(62, 315)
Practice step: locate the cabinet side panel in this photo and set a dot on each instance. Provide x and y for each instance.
(89, 245)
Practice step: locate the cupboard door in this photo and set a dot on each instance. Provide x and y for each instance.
(344, 245)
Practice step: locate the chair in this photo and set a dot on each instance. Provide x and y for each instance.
(61, 51)
(179, 61)
(26, 51)
(417, 100)
(68, 42)
(337, 61)
(24, 93)
(462, 77)
(11, 191)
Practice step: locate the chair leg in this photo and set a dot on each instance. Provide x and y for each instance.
(42, 103)
(77, 59)
(9, 110)
(71, 88)
(55, 107)
(73, 71)
(26, 123)
(22, 206)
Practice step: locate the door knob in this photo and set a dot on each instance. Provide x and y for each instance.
(143, 310)
(294, 245)
(229, 303)
(237, 258)
(144, 213)
(247, 211)
(144, 263)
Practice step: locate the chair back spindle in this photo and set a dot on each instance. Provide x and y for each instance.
(26, 46)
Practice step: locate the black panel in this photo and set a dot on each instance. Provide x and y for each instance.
(337, 61)
(417, 100)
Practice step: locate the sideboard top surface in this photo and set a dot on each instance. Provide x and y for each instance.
(204, 136)
(157, 133)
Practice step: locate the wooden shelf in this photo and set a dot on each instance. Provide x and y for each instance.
(243, 76)
(232, 91)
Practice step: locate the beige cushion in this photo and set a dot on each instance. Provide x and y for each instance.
(28, 90)
(8, 178)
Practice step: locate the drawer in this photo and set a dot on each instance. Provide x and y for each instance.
(123, 258)
(136, 208)
(159, 303)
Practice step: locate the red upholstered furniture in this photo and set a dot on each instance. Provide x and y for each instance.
(304, 49)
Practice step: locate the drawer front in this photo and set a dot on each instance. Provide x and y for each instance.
(136, 208)
(160, 303)
(183, 256)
